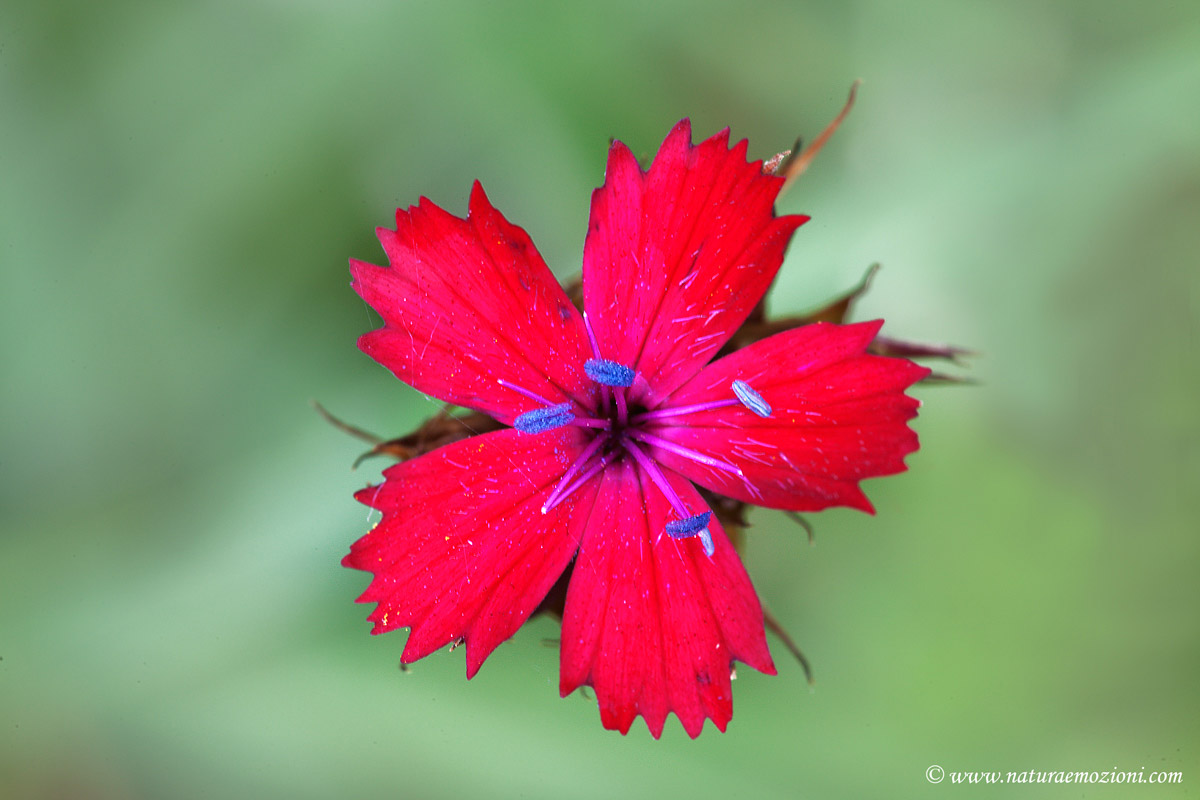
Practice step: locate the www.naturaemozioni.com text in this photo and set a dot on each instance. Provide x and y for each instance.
(1094, 776)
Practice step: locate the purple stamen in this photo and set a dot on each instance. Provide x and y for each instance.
(656, 475)
(541, 420)
(537, 398)
(751, 399)
(587, 326)
(663, 413)
(609, 373)
(553, 499)
(687, 524)
(686, 452)
(581, 480)
(622, 407)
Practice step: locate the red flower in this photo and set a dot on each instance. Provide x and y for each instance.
(614, 415)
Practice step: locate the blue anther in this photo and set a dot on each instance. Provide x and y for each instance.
(610, 373)
(541, 420)
(706, 542)
(751, 399)
(689, 526)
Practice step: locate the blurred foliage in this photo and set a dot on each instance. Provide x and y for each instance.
(182, 185)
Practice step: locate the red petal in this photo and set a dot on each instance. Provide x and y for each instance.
(650, 621)
(677, 257)
(838, 417)
(468, 302)
(463, 549)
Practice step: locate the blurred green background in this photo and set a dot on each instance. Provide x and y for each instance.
(181, 186)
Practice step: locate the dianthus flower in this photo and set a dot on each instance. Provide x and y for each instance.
(610, 419)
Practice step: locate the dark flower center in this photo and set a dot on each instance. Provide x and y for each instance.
(623, 428)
